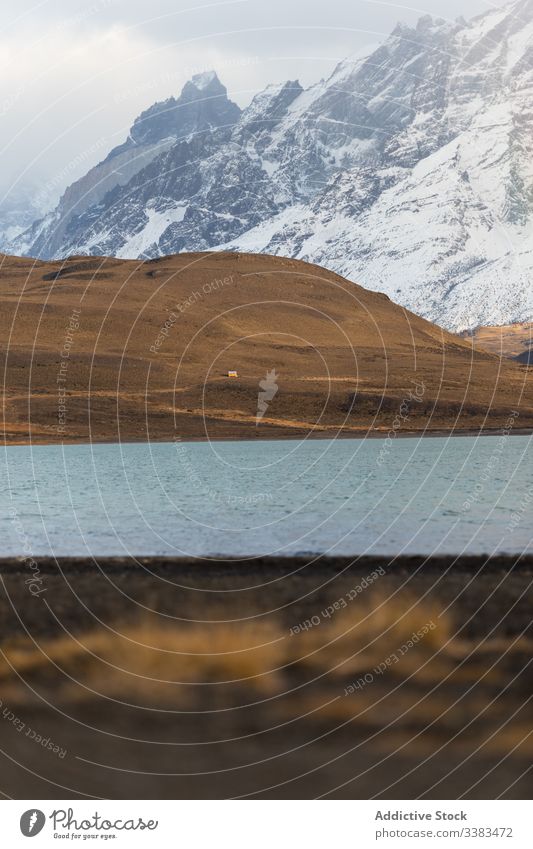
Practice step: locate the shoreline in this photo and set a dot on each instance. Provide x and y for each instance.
(275, 564)
(411, 434)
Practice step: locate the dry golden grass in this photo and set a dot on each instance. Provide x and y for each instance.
(153, 368)
(164, 663)
(507, 340)
(348, 644)
(349, 672)
(147, 662)
(257, 655)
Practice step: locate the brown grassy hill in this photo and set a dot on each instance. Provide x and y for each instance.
(107, 349)
(507, 340)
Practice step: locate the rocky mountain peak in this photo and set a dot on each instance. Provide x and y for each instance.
(203, 104)
(428, 24)
(426, 30)
(202, 86)
(271, 104)
(408, 169)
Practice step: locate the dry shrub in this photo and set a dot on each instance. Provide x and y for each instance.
(151, 662)
(356, 641)
(433, 685)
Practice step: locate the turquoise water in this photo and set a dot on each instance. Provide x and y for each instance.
(461, 494)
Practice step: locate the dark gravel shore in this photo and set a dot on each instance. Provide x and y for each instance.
(486, 594)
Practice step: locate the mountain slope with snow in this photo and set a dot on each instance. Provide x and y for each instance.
(409, 170)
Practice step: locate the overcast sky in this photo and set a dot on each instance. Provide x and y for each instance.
(73, 75)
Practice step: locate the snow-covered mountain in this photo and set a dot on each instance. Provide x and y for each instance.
(409, 170)
(20, 205)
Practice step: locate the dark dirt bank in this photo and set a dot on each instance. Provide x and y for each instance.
(485, 592)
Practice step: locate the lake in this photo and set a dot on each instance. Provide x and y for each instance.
(344, 496)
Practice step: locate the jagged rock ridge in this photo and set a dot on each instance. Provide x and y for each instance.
(409, 170)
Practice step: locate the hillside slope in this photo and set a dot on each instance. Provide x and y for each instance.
(107, 349)
(509, 340)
